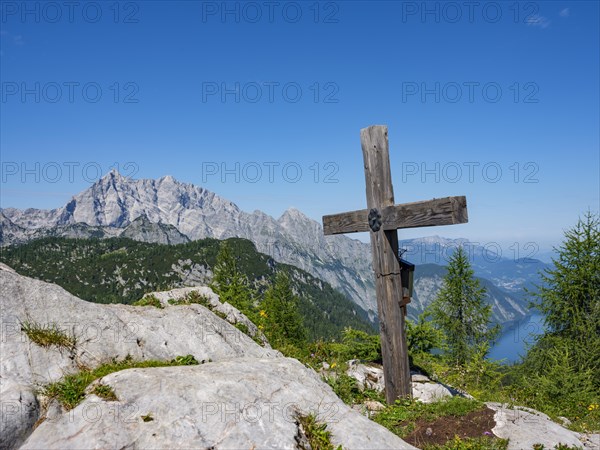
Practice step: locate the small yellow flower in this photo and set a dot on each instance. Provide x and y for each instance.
(333, 365)
(262, 313)
(593, 406)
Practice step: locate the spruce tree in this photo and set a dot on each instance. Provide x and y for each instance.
(460, 312)
(569, 295)
(569, 298)
(283, 323)
(229, 282)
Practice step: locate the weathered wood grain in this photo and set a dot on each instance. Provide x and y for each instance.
(384, 249)
(427, 213)
(391, 304)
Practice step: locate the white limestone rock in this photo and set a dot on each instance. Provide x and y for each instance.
(231, 314)
(19, 411)
(242, 403)
(430, 392)
(101, 333)
(367, 376)
(242, 396)
(525, 427)
(423, 389)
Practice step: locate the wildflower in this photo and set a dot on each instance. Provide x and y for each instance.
(262, 313)
(333, 365)
(592, 407)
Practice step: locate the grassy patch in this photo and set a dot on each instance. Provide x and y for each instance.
(105, 392)
(482, 443)
(70, 391)
(492, 382)
(47, 336)
(316, 433)
(404, 417)
(149, 300)
(400, 418)
(192, 297)
(558, 446)
(187, 360)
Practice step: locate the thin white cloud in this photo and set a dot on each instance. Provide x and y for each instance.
(17, 39)
(538, 21)
(565, 12)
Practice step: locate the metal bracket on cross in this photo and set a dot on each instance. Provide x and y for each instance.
(375, 220)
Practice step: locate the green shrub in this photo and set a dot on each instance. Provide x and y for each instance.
(149, 300)
(360, 345)
(422, 336)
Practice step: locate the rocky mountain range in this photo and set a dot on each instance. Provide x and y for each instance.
(168, 211)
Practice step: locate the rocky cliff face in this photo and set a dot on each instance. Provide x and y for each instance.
(242, 396)
(168, 211)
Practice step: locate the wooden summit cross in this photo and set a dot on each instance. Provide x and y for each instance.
(382, 219)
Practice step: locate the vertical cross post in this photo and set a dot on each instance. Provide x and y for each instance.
(384, 249)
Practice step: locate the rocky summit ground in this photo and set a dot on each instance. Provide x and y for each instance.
(241, 395)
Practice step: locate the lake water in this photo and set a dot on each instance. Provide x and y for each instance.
(514, 341)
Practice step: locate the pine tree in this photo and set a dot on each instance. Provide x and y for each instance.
(569, 295)
(229, 282)
(282, 321)
(460, 312)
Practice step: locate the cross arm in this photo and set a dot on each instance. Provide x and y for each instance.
(428, 213)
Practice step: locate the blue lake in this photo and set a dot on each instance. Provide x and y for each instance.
(514, 341)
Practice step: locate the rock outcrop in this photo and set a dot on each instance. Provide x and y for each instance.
(525, 427)
(522, 426)
(242, 396)
(423, 388)
(237, 404)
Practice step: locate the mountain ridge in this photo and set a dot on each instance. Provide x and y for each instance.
(184, 210)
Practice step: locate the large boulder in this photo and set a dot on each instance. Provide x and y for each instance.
(100, 333)
(243, 403)
(525, 427)
(104, 332)
(225, 310)
(243, 395)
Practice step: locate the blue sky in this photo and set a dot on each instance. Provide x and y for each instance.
(263, 102)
